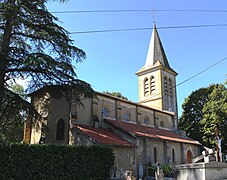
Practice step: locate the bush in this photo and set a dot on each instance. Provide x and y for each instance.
(150, 169)
(20, 161)
(167, 170)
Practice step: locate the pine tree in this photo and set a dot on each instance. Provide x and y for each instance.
(35, 48)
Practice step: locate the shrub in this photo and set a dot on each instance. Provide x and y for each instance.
(20, 161)
(150, 169)
(167, 170)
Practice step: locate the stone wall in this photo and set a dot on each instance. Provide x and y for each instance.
(201, 171)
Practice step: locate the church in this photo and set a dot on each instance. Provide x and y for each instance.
(139, 132)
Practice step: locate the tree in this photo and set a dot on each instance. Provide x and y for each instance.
(204, 111)
(12, 124)
(215, 116)
(116, 94)
(192, 114)
(34, 47)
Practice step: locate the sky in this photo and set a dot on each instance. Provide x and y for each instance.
(114, 57)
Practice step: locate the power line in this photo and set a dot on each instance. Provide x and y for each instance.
(137, 10)
(188, 79)
(197, 74)
(148, 28)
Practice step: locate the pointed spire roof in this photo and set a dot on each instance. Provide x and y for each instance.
(156, 51)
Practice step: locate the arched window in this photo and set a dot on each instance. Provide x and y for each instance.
(162, 124)
(155, 155)
(127, 116)
(170, 88)
(189, 156)
(105, 112)
(165, 85)
(152, 84)
(60, 129)
(146, 87)
(173, 155)
(146, 120)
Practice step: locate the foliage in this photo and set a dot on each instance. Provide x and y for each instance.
(167, 170)
(215, 116)
(205, 110)
(35, 48)
(12, 122)
(19, 161)
(116, 94)
(150, 169)
(192, 114)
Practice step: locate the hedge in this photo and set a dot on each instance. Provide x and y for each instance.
(20, 161)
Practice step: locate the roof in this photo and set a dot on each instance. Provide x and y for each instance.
(104, 136)
(149, 132)
(156, 54)
(156, 51)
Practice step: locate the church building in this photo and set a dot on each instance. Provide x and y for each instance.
(139, 132)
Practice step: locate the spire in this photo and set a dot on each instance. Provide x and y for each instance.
(156, 52)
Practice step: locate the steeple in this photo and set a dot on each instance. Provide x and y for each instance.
(156, 52)
(156, 79)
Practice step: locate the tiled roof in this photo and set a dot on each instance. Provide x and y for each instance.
(149, 132)
(104, 136)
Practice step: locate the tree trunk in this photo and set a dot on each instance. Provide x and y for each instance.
(4, 47)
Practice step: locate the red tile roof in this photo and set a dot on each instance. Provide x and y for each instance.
(149, 132)
(104, 136)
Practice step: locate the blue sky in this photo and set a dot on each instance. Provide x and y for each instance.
(114, 57)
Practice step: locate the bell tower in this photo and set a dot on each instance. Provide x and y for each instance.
(156, 79)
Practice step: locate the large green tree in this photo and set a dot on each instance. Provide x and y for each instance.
(215, 116)
(35, 48)
(192, 114)
(204, 111)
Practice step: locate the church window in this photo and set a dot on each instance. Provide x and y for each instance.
(189, 156)
(152, 84)
(173, 155)
(170, 88)
(60, 129)
(146, 120)
(165, 85)
(155, 155)
(146, 87)
(126, 116)
(161, 124)
(105, 112)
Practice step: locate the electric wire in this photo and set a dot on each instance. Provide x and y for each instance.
(147, 28)
(186, 80)
(137, 10)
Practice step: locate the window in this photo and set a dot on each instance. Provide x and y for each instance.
(126, 116)
(165, 85)
(155, 155)
(105, 112)
(60, 129)
(146, 87)
(162, 124)
(173, 155)
(152, 84)
(146, 120)
(189, 156)
(170, 88)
